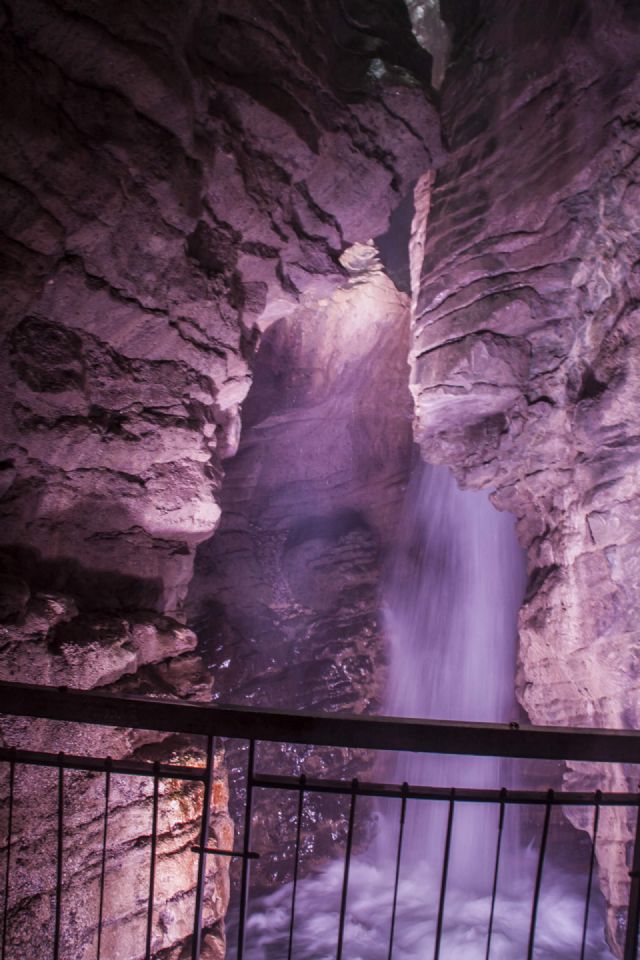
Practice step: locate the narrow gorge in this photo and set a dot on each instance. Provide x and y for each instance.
(268, 270)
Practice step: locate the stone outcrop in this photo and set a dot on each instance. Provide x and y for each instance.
(174, 180)
(31, 917)
(525, 345)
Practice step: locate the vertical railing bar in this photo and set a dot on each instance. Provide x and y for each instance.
(403, 811)
(7, 870)
(347, 865)
(536, 892)
(633, 914)
(596, 820)
(445, 870)
(60, 852)
(494, 889)
(196, 942)
(103, 862)
(152, 864)
(246, 842)
(296, 861)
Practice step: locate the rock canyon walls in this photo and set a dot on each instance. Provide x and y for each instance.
(163, 190)
(175, 179)
(525, 351)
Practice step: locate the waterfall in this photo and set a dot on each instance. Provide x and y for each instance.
(453, 590)
(455, 586)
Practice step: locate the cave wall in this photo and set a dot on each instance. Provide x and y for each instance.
(162, 191)
(525, 344)
(285, 597)
(175, 178)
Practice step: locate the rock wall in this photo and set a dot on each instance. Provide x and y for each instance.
(161, 194)
(525, 346)
(175, 178)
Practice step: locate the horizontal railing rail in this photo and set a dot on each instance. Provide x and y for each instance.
(132, 768)
(259, 725)
(368, 788)
(336, 730)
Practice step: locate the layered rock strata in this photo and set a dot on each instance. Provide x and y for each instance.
(525, 345)
(174, 180)
(32, 904)
(160, 195)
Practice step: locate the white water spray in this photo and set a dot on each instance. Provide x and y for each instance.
(451, 604)
(456, 586)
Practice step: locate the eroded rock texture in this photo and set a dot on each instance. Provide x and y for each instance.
(162, 190)
(525, 354)
(286, 597)
(174, 179)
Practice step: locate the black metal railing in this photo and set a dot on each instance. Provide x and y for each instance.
(256, 726)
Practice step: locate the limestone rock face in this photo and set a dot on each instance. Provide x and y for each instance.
(309, 502)
(525, 368)
(127, 866)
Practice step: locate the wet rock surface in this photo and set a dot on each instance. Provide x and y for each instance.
(179, 182)
(524, 357)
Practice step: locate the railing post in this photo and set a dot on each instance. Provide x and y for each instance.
(347, 865)
(196, 944)
(633, 914)
(153, 854)
(496, 868)
(396, 881)
(538, 885)
(296, 863)
(60, 853)
(103, 859)
(445, 871)
(246, 842)
(592, 860)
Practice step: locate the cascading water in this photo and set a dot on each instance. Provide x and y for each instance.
(452, 596)
(456, 585)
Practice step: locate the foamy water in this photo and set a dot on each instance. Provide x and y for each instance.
(367, 928)
(452, 596)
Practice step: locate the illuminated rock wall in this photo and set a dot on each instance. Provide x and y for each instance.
(286, 598)
(525, 350)
(175, 178)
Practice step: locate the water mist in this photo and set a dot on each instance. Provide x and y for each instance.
(455, 587)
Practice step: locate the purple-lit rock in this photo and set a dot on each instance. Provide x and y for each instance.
(174, 181)
(180, 181)
(286, 598)
(525, 354)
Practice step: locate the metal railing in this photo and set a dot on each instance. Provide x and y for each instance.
(371, 733)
